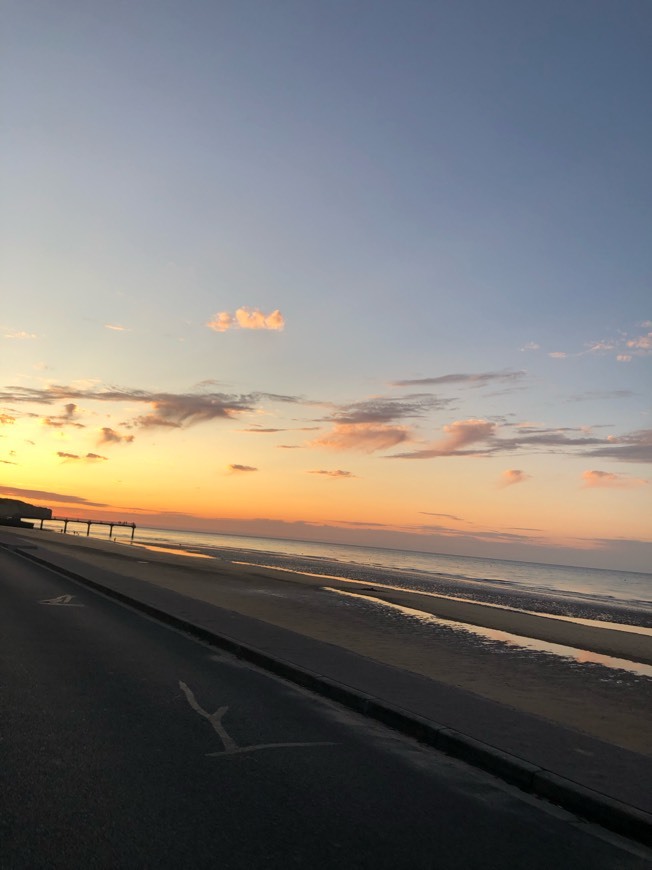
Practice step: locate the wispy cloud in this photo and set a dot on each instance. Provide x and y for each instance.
(172, 410)
(443, 516)
(65, 419)
(512, 476)
(236, 468)
(531, 345)
(641, 344)
(367, 437)
(632, 447)
(384, 410)
(47, 495)
(246, 318)
(7, 419)
(480, 438)
(110, 436)
(89, 457)
(19, 335)
(337, 473)
(623, 346)
(116, 328)
(609, 480)
(476, 380)
(600, 395)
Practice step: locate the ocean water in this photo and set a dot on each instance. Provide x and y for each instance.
(605, 595)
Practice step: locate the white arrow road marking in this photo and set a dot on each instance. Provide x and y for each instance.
(62, 601)
(230, 746)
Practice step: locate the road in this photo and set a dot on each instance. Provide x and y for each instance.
(126, 744)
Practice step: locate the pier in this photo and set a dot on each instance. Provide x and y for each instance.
(89, 523)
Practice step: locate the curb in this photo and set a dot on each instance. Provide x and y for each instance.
(591, 805)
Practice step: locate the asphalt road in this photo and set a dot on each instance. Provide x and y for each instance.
(126, 744)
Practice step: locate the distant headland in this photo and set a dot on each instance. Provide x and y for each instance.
(13, 512)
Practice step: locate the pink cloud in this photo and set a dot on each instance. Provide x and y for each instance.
(367, 437)
(512, 476)
(246, 318)
(641, 343)
(609, 480)
(459, 435)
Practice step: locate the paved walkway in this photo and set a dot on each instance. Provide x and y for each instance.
(602, 782)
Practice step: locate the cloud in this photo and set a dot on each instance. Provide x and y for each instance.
(110, 436)
(459, 435)
(169, 410)
(531, 345)
(477, 380)
(115, 327)
(367, 437)
(632, 447)
(174, 410)
(512, 476)
(624, 357)
(642, 343)
(261, 431)
(443, 516)
(246, 318)
(367, 425)
(601, 395)
(558, 354)
(6, 419)
(221, 322)
(382, 410)
(65, 419)
(20, 335)
(46, 495)
(90, 457)
(177, 411)
(235, 468)
(609, 480)
(338, 473)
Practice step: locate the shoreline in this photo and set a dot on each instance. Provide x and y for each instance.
(608, 640)
(613, 708)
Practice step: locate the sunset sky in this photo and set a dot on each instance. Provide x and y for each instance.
(372, 272)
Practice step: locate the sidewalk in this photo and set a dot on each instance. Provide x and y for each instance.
(598, 781)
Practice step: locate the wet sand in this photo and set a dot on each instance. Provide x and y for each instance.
(612, 705)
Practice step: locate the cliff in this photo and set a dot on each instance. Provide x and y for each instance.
(13, 508)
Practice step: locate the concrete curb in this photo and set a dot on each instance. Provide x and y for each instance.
(591, 805)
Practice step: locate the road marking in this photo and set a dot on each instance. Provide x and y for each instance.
(230, 746)
(62, 601)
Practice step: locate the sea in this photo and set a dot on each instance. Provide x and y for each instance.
(578, 593)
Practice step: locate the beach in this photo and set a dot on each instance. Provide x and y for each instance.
(417, 633)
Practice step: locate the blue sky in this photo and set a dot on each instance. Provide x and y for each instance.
(422, 189)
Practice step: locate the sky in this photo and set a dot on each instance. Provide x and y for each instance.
(375, 273)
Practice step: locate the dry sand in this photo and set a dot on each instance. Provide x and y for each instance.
(612, 705)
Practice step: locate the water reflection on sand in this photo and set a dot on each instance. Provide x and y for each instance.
(504, 637)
